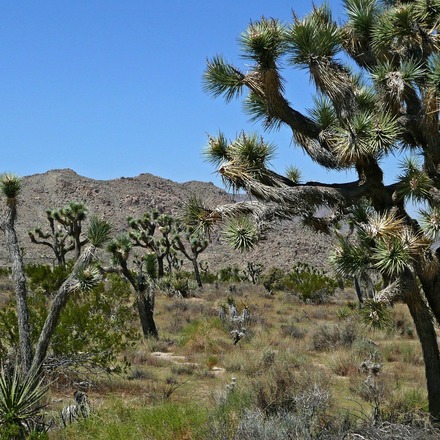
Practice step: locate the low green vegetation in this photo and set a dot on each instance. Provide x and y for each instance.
(298, 367)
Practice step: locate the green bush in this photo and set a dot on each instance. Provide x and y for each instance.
(95, 324)
(229, 274)
(45, 278)
(309, 283)
(272, 280)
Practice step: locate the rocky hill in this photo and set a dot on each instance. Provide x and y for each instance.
(117, 199)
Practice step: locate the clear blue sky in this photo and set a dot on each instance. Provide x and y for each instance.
(113, 88)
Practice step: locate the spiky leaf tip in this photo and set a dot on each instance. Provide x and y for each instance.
(293, 173)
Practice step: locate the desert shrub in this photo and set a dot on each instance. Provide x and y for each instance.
(45, 278)
(403, 351)
(402, 325)
(272, 280)
(344, 363)
(407, 406)
(365, 348)
(281, 386)
(229, 274)
(229, 406)
(255, 425)
(267, 357)
(309, 283)
(93, 329)
(205, 335)
(327, 337)
(292, 331)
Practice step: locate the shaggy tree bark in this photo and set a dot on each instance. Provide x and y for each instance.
(18, 276)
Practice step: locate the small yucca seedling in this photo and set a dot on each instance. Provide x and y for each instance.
(241, 233)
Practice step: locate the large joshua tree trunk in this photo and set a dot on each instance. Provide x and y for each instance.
(144, 302)
(423, 321)
(197, 271)
(18, 276)
(145, 305)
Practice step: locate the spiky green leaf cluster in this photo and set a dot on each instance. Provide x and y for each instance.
(10, 185)
(366, 134)
(293, 173)
(414, 183)
(361, 15)
(375, 314)
(222, 79)
(391, 257)
(313, 39)
(264, 42)
(196, 215)
(430, 221)
(21, 399)
(434, 72)
(120, 248)
(350, 259)
(216, 152)
(323, 113)
(248, 155)
(87, 278)
(241, 233)
(99, 231)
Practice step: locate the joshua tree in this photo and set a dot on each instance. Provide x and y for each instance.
(191, 242)
(82, 276)
(388, 103)
(71, 218)
(65, 227)
(141, 277)
(56, 239)
(153, 231)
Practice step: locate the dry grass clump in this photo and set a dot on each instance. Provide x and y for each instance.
(292, 331)
(344, 363)
(407, 352)
(327, 337)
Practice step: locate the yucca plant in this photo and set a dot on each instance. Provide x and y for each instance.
(21, 403)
